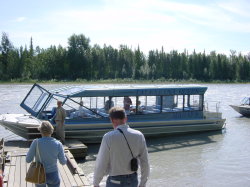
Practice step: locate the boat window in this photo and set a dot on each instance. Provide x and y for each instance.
(145, 105)
(168, 103)
(107, 104)
(178, 103)
(128, 103)
(151, 104)
(140, 105)
(83, 107)
(53, 103)
(196, 102)
(36, 99)
(102, 105)
(50, 110)
(192, 102)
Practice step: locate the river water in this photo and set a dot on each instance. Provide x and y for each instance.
(196, 160)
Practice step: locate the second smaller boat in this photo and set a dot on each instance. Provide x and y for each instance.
(244, 107)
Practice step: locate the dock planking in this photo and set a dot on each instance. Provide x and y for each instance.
(76, 147)
(16, 168)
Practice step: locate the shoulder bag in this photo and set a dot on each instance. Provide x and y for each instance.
(134, 161)
(36, 173)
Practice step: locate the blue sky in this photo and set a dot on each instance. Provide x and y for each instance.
(219, 25)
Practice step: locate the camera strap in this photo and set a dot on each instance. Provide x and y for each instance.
(126, 141)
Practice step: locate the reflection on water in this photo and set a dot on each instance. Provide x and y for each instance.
(202, 159)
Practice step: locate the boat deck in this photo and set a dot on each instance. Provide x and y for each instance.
(16, 168)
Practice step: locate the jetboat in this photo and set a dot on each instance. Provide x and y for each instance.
(155, 110)
(243, 108)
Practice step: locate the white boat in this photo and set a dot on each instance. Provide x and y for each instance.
(155, 110)
(243, 108)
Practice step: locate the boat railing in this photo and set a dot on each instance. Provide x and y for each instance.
(212, 106)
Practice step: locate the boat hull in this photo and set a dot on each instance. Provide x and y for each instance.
(92, 130)
(242, 109)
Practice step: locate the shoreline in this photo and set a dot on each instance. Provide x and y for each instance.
(121, 81)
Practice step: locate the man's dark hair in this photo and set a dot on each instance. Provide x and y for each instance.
(117, 113)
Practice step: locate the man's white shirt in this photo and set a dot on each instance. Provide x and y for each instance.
(114, 155)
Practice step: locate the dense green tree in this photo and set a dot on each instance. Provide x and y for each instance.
(6, 48)
(125, 57)
(139, 62)
(81, 61)
(77, 56)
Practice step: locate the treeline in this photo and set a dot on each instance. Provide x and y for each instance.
(80, 60)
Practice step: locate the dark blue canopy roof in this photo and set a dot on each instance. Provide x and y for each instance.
(132, 90)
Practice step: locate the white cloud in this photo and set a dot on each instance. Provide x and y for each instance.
(148, 23)
(20, 19)
(240, 7)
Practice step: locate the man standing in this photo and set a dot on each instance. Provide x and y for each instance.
(59, 119)
(114, 155)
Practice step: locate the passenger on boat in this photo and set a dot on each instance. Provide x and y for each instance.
(50, 151)
(115, 154)
(108, 104)
(59, 119)
(127, 102)
(83, 112)
(139, 107)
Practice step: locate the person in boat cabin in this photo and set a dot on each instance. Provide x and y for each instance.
(50, 150)
(139, 107)
(127, 102)
(83, 112)
(108, 104)
(115, 154)
(59, 119)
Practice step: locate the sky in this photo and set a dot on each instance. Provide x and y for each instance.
(200, 25)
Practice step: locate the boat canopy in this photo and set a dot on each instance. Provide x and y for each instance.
(79, 91)
(39, 98)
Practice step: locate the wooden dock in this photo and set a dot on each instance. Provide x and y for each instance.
(16, 168)
(77, 148)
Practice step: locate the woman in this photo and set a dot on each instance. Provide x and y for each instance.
(50, 150)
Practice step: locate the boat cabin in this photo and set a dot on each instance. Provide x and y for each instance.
(94, 102)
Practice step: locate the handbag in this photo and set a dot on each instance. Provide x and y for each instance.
(134, 161)
(36, 172)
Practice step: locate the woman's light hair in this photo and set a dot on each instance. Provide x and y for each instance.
(46, 128)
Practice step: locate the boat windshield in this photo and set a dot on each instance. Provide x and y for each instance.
(245, 101)
(35, 100)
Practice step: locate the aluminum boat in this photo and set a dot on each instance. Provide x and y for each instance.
(155, 110)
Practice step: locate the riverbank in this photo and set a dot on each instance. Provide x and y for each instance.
(119, 81)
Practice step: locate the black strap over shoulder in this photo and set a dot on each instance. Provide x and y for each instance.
(126, 141)
(133, 162)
